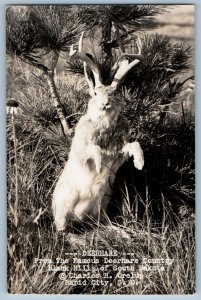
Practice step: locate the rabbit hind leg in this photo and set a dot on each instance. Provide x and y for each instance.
(64, 201)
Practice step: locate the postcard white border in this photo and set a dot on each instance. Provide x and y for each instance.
(3, 201)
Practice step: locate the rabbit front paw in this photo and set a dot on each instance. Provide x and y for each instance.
(98, 165)
(94, 159)
(134, 149)
(96, 156)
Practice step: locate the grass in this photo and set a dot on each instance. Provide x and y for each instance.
(177, 244)
(153, 210)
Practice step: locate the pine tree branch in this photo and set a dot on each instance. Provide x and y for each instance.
(31, 61)
(189, 78)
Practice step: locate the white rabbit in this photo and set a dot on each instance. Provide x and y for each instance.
(99, 147)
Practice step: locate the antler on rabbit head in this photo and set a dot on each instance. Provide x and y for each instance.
(103, 96)
(99, 147)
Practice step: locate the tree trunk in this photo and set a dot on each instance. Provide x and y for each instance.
(106, 44)
(52, 86)
(57, 102)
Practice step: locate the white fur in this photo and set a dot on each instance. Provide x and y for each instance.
(134, 149)
(84, 187)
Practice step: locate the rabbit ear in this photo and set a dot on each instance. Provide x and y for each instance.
(89, 79)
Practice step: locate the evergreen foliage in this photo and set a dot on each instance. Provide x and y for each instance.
(32, 32)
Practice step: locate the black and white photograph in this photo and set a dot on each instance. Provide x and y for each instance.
(100, 149)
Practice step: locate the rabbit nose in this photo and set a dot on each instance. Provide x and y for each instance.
(106, 106)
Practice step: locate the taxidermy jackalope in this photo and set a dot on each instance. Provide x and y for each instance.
(99, 147)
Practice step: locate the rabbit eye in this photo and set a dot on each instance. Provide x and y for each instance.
(111, 94)
(95, 93)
